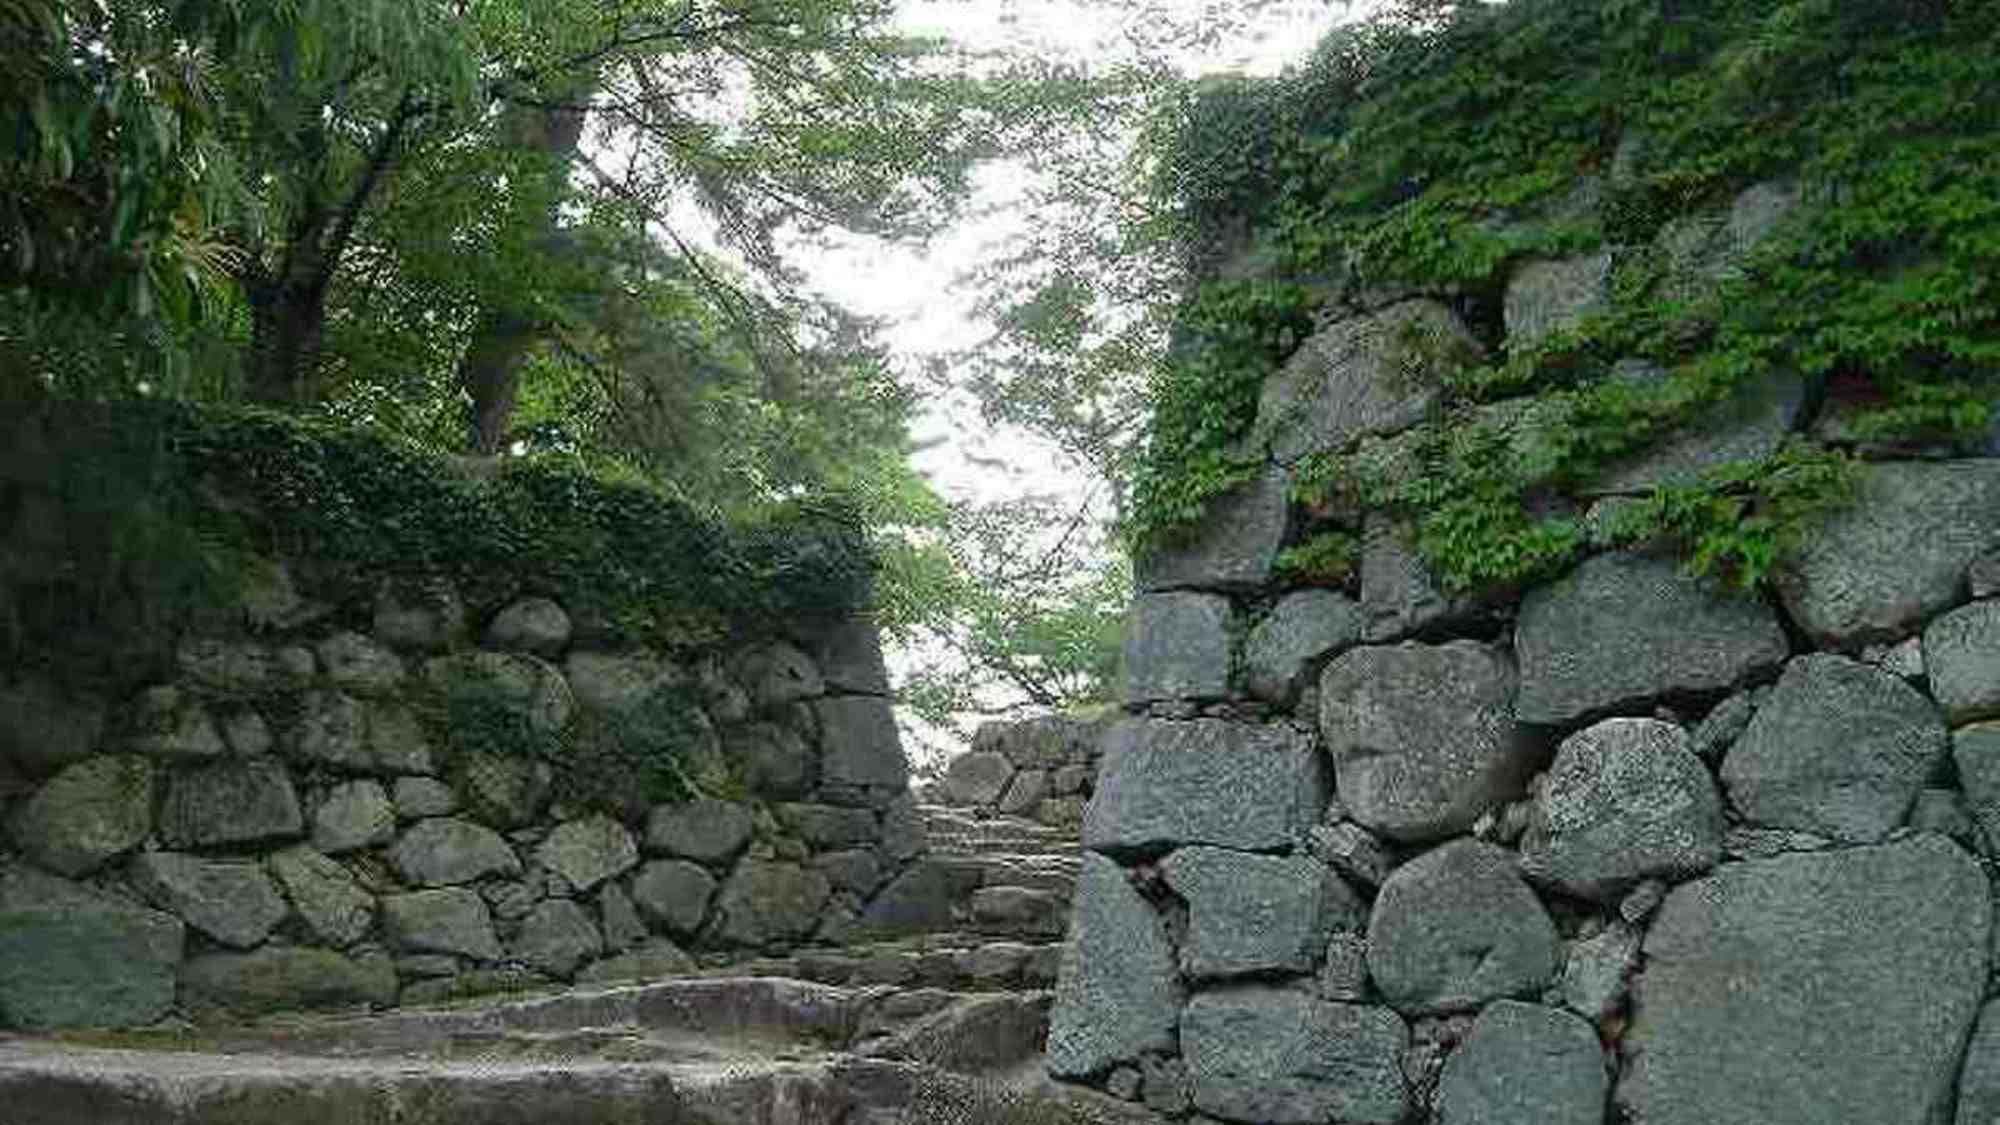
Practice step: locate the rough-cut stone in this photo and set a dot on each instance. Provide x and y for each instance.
(247, 734)
(356, 664)
(1018, 910)
(1118, 996)
(857, 871)
(452, 920)
(673, 894)
(335, 909)
(765, 902)
(354, 815)
(1422, 736)
(1524, 1063)
(775, 761)
(535, 625)
(1839, 748)
(73, 958)
(620, 683)
(1176, 647)
(1962, 653)
(777, 674)
(923, 898)
(1707, 249)
(1257, 914)
(90, 813)
(1750, 425)
(829, 827)
(705, 830)
(419, 797)
(1302, 629)
(228, 667)
(1979, 1082)
(525, 689)
(44, 727)
(283, 979)
(1353, 851)
(1027, 790)
(396, 740)
(587, 852)
(1834, 986)
(1399, 594)
(1372, 374)
(850, 660)
(1553, 295)
(619, 918)
(1457, 927)
(333, 732)
(1232, 545)
(1280, 1057)
(859, 743)
(232, 902)
(245, 802)
(170, 725)
(1233, 785)
(1625, 800)
(1624, 630)
(556, 937)
(448, 851)
(427, 615)
(1896, 554)
(505, 790)
(1593, 978)
(1343, 971)
(977, 778)
(1975, 751)
(1725, 723)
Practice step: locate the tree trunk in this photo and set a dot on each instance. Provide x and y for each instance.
(287, 331)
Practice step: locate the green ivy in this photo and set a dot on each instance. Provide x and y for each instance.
(1326, 559)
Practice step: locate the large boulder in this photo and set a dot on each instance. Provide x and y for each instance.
(977, 778)
(451, 920)
(1748, 425)
(447, 851)
(1962, 656)
(230, 803)
(1624, 630)
(1281, 1057)
(1176, 647)
(1400, 595)
(354, 815)
(71, 958)
(284, 978)
(1625, 801)
(775, 761)
(706, 830)
(1422, 736)
(1231, 547)
(673, 894)
(1457, 927)
(1827, 986)
(91, 812)
(1551, 295)
(1118, 996)
(850, 660)
(1840, 748)
(1524, 1063)
(504, 789)
(356, 664)
(1979, 1081)
(1302, 628)
(924, 898)
(765, 902)
(518, 701)
(233, 902)
(1233, 785)
(778, 673)
(556, 937)
(535, 625)
(1258, 914)
(587, 852)
(335, 909)
(1376, 373)
(1896, 555)
(859, 743)
(333, 731)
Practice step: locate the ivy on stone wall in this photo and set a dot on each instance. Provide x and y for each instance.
(1434, 159)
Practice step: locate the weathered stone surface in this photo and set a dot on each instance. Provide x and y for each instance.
(1280, 1057)
(1943, 811)
(354, 815)
(1894, 556)
(1118, 996)
(232, 902)
(1551, 295)
(556, 937)
(358, 665)
(1839, 748)
(1524, 1063)
(1725, 723)
(1707, 249)
(396, 740)
(619, 918)
(1353, 851)
(857, 871)
(446, 851)
(247, 734)
(1370, 374)
(1026, 791)
(70, 957)
(427, 615)
(1975, 751)
(1422, 736)
(245, 802)
(859, 744)
(419, 797)
(535, 625)
(1303, 628)
(1343, 971)
(828, 827)
(1750, 425)
(777, 674)
(1834, 986)
(525, 689)
(850, 660)
(228, 667)
(335, 909)
(1979, 1082)
(620, 683)
(587, 852)
(1255, 913)
(658, 959)
(765, 902)
(1623, 630)
(1231, 547)
(1018, 910)
(1176, 647)
(705, 830)
(1399, 594)
(776, 762)
(1233, 785)
(1962, 652)
(977, 778)
(674, 894)
(505, 790)
(333, 731)
(451, 920)
(1455, 928)
(284, 978)
(167, 724)
(1625, 800)
(90, 813)
(1593, 978)
(923, 897)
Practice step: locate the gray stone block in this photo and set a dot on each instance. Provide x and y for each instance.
(1524, 1063)
(1551, 295)
(1231, 547)
(705, 830)
(1457, 927)
(556, 937)
(90, 813)
(859, 743)
(451, 920)
(354, 815)
(1118, 996)
(287, 978)
(1257, 914)
(770, 902)
(1176, 647)
(233, 902)
(447, 851)
(335, 909)
(587, 852)
(673, 894)
(73, 958)
(1280, 1057)
(1303, 628)
(248, 802)
(1625, 800)
(1962, 652)
(1233, 785)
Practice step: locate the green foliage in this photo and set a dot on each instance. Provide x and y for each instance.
(1326, 559)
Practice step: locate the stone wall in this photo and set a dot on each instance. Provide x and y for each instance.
(1623, 846)
(331, 805)
(1043, 769)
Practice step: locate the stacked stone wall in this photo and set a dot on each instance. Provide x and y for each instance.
(1042, 769)
(1623, 846)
